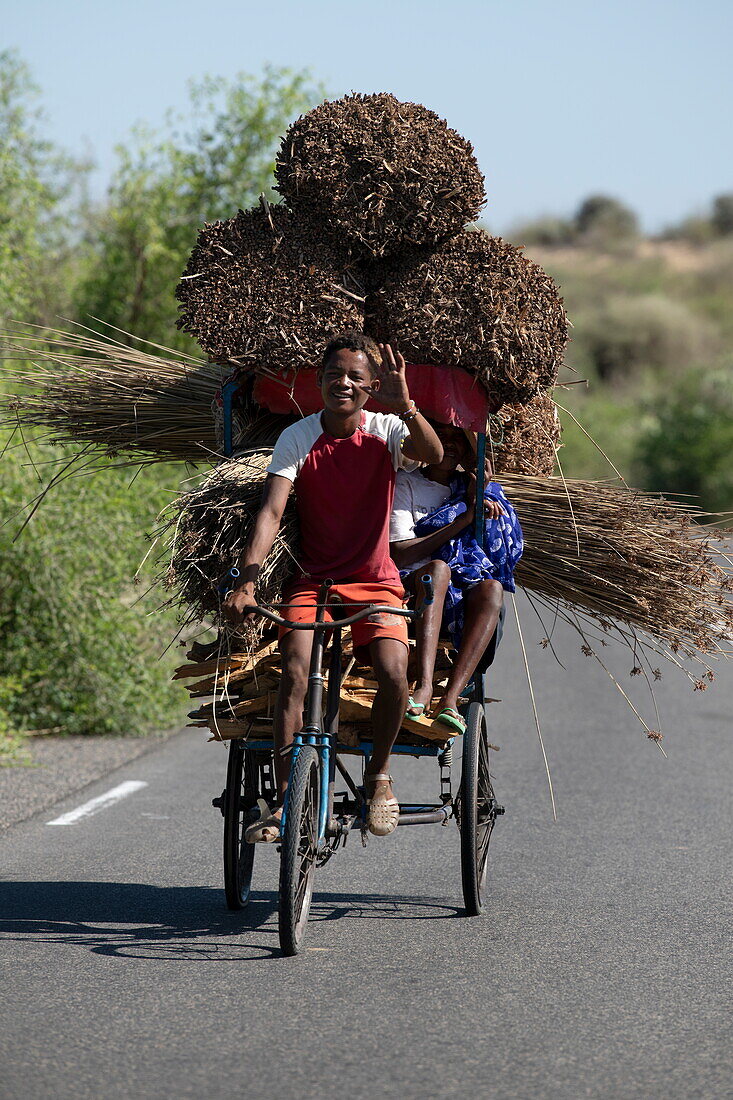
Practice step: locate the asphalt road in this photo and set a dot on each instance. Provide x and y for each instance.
(600, 969)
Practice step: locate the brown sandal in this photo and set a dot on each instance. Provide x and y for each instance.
(382, 813)
(266, 830)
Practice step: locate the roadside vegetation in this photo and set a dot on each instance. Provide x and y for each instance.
(651, 347)
(80, 650)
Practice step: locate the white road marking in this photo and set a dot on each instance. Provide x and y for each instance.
(101, 802)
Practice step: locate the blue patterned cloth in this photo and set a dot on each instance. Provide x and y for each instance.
(469, 563)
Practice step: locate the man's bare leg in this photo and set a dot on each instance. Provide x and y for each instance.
(295, 650)
(482, 606)
(389, 660)
(427, 629)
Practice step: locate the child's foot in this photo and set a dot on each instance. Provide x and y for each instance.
(418, 701)
(446, 716)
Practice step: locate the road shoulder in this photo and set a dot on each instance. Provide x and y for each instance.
(63, 765)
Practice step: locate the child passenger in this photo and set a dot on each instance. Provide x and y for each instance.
(341, 464)
(432, 531)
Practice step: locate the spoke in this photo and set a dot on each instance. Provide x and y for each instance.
(307, 846)
(483, 846)
(300, 895)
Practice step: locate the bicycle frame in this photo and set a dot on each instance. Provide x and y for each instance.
(323, 735)
(312, 732)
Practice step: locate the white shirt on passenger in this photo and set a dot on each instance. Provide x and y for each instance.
(415, 497)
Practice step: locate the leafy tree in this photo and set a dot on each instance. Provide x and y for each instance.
(201, 168)
(36, 184)
(722, 218)
(602, 221)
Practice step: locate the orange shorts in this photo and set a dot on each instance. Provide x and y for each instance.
(304, 594)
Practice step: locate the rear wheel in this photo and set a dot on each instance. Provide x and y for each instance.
(478, 809)
(240, 798)
(299, 850)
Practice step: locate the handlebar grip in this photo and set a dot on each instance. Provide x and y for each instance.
(427, 582)
(225, 587)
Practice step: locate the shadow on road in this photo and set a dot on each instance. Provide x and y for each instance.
(186, 923)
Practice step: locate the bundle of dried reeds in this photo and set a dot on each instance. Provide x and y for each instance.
(207, 528)
(523, 439)
(622, 557)
(477, 302)
(267, 290)
(626, 559)
(85, 387)
(383, 175)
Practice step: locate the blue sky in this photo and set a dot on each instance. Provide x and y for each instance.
(560, 99)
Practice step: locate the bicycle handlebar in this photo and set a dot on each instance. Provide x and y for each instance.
(370, 609)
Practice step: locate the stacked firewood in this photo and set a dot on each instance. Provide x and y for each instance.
(240, 690)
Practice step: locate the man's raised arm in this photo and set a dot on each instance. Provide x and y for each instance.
(389, 388)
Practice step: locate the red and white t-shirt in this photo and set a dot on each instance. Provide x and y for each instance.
(344, 490)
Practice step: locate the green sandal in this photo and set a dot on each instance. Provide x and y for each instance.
(413, 706)
(450, 719)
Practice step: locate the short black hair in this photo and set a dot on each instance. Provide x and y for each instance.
(354, 341)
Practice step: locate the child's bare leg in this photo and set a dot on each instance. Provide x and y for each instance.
(427, 629)
(482, 605)
(295, 648)
(389, 660)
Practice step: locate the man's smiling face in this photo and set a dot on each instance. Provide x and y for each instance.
(341, 380)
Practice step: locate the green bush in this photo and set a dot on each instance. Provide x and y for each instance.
(79, 653)
(612, 424)
(688, 442)
(548, 232)
(627, 334)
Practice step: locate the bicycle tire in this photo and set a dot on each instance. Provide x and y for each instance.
(478, 809)
(240, 797)
(299, 849)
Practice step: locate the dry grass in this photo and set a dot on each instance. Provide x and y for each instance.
(524, 439)
(85, 387)
(206, 529)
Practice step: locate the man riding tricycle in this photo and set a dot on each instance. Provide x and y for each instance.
(342, 462)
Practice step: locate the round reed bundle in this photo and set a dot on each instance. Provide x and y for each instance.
(478, 302)
(207, 529)
(618, 556)
(117, 399)
(267, 290)
(384, 175)
(523, 439)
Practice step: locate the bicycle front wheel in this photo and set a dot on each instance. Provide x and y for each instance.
(299, 850)
(478, 809)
